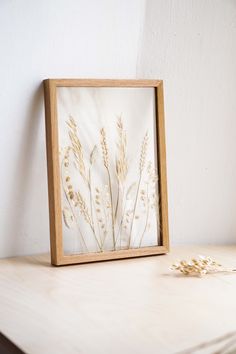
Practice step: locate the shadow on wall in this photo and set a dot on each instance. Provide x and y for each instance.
(26, 207)
(226, 344)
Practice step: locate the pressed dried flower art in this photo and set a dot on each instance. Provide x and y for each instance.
(110, 192)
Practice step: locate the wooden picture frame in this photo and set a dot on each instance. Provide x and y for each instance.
(58, 256)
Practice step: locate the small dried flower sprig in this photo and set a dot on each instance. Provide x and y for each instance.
(200, 266)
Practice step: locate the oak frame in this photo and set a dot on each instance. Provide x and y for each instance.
(54, 192)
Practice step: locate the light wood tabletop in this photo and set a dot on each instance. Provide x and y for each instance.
(132, 306)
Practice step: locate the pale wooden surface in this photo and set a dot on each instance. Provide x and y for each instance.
(132, 306)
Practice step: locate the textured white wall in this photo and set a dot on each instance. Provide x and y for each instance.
(189, 44)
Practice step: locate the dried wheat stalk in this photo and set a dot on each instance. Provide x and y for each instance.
(76, 198)
(153, 180)
(101, 215)
(147, 205)
(77, 147)
(121, 160)
(106, 165)
(142, 161)
(122, 219)
(93, 155)
(83, 208)
(151, 197)
(85, 213)
(69, 193)
(143, 153)
(92, 160)
(104, 147)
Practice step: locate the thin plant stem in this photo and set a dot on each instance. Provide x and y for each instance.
(92, 204)
(112, 212)
(90, 195)
(99, 229)
(105, 220)
(106, 165)
(99, 246)
(120, 226)
(122, 218)
(147, 217)
(134, 211)
(84, 212)
(122, 198)
(117, 200)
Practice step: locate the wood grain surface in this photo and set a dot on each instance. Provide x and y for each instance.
(134, 306)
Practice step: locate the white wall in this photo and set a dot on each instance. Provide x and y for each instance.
(41, 39)
(189, 44)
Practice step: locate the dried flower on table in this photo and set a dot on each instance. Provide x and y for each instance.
(199, 266)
